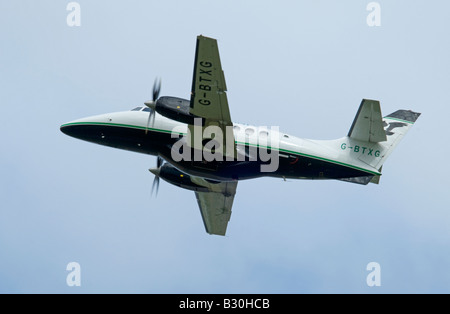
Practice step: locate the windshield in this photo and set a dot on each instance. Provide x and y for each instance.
(141, 109)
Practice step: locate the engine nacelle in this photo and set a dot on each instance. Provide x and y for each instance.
(176, 109)
(170, 174)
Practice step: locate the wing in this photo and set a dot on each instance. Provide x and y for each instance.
(209, 98)
(209, 102)
(215, 205)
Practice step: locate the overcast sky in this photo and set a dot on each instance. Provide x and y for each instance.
(301, 65)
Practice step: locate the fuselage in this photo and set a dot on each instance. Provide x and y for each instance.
(296, 158)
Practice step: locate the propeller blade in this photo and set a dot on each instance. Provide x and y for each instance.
(155, 183)
(148, 123)
(156, 171)
(152, 104)
(150, 115)
(157, 187)
(156, 89)
(153, 117)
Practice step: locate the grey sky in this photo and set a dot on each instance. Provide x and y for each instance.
(300, 65)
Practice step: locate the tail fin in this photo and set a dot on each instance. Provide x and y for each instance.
(368, 124)
(374, 137)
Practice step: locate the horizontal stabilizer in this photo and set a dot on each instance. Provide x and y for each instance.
(359, 180)
(405, 115)
(368, 123)
(364, 180)
(375, 180)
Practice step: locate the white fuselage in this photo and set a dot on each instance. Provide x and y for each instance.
(330, 151)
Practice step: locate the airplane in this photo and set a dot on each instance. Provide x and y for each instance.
(175, 129)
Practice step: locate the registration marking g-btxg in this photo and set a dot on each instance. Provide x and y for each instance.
(361, 149)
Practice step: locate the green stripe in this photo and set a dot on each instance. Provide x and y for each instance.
(242, 143)
(396, 119)
(312, 156)
(121, 125)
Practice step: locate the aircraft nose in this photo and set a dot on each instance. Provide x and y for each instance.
(91, 129)
(77, 130)
(65, 128)
(69, 129)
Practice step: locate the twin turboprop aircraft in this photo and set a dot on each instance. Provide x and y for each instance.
(204, 151)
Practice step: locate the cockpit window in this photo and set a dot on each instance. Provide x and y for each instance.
(146, 109)
(136, 109)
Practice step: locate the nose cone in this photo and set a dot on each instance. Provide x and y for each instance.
(101, 129)
(74, 129)
(66, 128)
(87, 129)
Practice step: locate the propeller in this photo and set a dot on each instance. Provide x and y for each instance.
(156, 171)
(152, 104)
